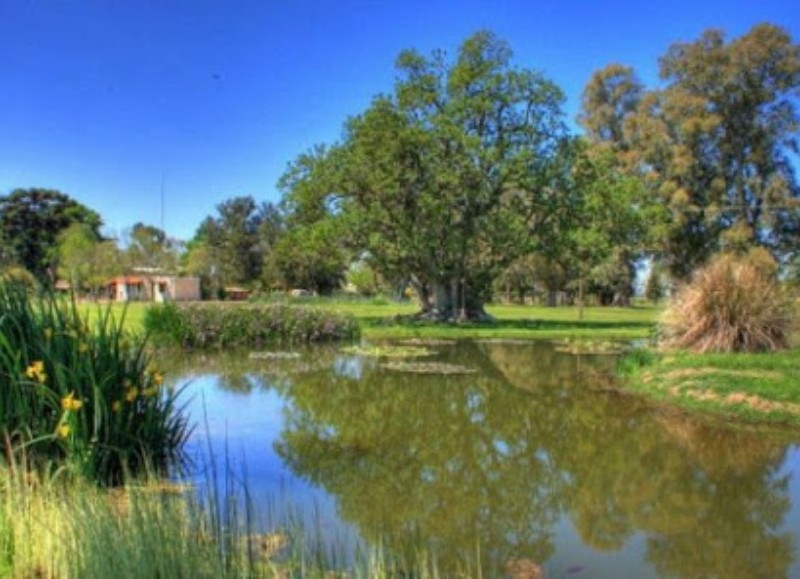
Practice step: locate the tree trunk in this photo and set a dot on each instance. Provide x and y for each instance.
(454, 300)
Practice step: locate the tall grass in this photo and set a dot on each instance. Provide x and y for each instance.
(238, 325)
(733, 305)
(66, 527)
(81, 396)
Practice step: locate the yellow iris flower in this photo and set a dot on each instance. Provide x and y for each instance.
(70, 403)
(35, 371)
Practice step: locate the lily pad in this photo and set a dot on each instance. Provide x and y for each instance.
(274, 355)
(592, 347)
(441, 368)
(388, 351)
(427, 342)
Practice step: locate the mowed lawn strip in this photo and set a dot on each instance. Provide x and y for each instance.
(394, 320)
(754, 387)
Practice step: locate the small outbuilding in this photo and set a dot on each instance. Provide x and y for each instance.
(157, 288)
(237, 293)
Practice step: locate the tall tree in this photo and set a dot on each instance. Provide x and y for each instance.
(149, 247)
(30, 222)
(86, 260)
(717, 144)
(314, 251)
(449, 179)
(612, 95)
(231, 241)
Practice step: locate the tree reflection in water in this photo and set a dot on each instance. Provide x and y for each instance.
(482, 467)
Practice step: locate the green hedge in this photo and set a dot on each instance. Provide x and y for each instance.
(80, 394)
(246, 325)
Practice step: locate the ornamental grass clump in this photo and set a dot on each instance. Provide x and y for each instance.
(732, 305)
(81, 395)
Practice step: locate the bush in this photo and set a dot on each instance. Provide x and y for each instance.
(81, 395)
(732, 305)
(245, 325)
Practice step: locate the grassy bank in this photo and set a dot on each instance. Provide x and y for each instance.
(749, 387)
(379, 320)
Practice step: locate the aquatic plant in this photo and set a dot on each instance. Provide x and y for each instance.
(81, 395)
(590, 347)
(442, 368)
(388, 351)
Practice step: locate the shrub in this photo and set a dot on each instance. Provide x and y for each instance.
(732, 305)
(81, 395)
(246, 325)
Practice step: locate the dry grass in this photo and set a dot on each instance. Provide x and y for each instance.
(733, 305)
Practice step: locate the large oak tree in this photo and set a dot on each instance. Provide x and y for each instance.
(450, 178)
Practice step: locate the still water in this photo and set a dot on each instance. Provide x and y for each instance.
(532, 456)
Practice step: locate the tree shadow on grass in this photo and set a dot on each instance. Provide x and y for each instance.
(503, 324)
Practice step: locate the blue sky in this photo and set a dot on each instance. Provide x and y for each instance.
(105, 99)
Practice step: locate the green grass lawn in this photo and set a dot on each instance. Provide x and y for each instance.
(390, 320)
(511, 322)
(753, 387)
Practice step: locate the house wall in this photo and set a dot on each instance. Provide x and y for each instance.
(186, 288)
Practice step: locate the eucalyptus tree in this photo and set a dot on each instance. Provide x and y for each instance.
(149, 247)
(717, 143)
(451, 177)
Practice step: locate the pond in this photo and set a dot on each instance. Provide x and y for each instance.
(496, 455)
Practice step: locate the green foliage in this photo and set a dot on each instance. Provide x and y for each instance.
(612, 219)
(81, 395)
(732, 305)
(715, 145)
(227, 247)
(312, 257)
(237, 325)
(149, 247)
(364, 279)
(30, 222)
(632, 361)
(19, 276)
(450, 178)
(654, 288)
(84, 259)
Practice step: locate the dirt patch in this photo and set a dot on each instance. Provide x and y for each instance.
(736, 399)
(762, 404)
(707, 371)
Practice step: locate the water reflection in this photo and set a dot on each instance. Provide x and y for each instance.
(487, 468)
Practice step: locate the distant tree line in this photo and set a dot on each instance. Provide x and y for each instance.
(48, 236)
(463, 184)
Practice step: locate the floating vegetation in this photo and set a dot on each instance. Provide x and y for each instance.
(388, 351)
(593, 347)
(273, 355)
(441, 368)
(427, 342)
(505, 341)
